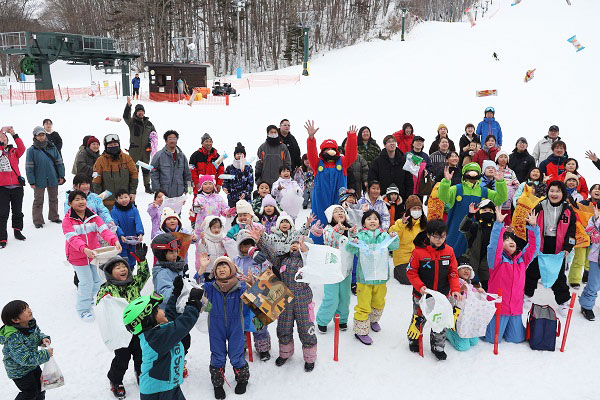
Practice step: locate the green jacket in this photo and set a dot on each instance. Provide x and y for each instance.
(367, 237)
(21, 354)
(447, 193)
(139, 135)
(370, 151)
(128, 292)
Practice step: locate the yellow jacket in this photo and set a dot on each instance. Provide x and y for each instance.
(406, 235)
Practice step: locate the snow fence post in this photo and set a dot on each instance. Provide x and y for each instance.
(496, 334)
(566, 332)
(336, 337)
(226, 100)
(249, 342)
(10, 95)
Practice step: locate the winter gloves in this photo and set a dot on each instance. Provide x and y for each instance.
(414, 330)
(195, 298)
(177, 286)
(257, 256)
(140, 252)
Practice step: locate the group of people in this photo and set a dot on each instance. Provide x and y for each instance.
(373, 203)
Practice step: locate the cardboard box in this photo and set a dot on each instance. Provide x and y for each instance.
(268, 297)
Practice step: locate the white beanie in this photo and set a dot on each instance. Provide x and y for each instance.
(167, 213)
(329, 212)
(465, 265)
(488, 163)
(243, 207)
(285, 217)
(501, 153)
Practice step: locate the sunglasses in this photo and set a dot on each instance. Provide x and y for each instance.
(172, 245)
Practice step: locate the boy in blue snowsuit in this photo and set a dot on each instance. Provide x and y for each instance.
(127, 218)
(330, 170)
(489, 126)
(225, 324)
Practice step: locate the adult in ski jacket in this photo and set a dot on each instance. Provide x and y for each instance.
(140, 128)
(543, 148)
(171, 172)
(272, 154)
(292, 144)
(405, 137)
(87, 157)
(202, 163)
(554, 166)
(489, 126)
(367, 146)
(387, 171)
(11, 191)
(113, 172)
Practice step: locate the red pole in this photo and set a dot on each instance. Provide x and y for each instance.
(10, 96)
(336, 337)
(571, 305)
(497, 333)
(227, 100)
(68, 95)
(116, 90)
(60, 92)
(249, 341)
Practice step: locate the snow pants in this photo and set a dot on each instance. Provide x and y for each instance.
(37, 209)
(30, 386)
(580, 260)
(11, 199)
(119, 364)
(335, 301)
(371, 301)
(437, 340)
(262, 340)
(459, 343)
(301, 310)
(89, 284)
(590, 292)
(511, 329)
(227, 343)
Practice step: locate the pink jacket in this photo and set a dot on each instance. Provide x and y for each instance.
(210, 204)
(9, 161)
(80, 235)
(508, 273)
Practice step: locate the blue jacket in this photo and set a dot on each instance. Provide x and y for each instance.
(163, 356)
(136, 83)
(489, 126)
(40, 169)
(128, 220)
(21, 354)
(242, 183)
(162, 280)
(94, 203)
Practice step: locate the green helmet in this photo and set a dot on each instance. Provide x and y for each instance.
(137, 317)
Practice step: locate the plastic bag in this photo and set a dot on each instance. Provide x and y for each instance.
(188, 285)
(323, 264)
(437, 310)
(176, 203)
(52, 376)
(109, 314)
(291, 202)
(374, 259)
(476, 313)
(550, 265)
(412, 164)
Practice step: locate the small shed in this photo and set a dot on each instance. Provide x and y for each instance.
(169, 81)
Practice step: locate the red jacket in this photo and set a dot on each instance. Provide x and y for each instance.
(8, 177)
(582, 188)
(436, 269)
(347, 159)
(404, 141)
(201, 163)
(483, 155)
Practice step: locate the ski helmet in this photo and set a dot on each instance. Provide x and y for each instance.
(138, 316)
(162, 243)
(490, 109)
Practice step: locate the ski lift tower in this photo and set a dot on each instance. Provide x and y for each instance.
(40, 49)
(306, 20)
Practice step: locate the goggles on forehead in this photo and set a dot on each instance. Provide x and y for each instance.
(172, 245)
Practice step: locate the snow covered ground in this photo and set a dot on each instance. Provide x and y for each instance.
(429, 79)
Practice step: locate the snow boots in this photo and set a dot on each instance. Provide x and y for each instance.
(118, 390)
(242, 375)
(217, 377)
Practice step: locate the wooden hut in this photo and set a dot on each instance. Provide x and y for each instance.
(172, 81)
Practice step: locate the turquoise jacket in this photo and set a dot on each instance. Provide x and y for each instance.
(21, 354)
(371, 237)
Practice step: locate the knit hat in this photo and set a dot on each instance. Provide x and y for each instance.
(205, 178)
(139, 107)
(242, 236)
(521, 139)
(285, 217)
(329, 212)
(488, 163)
(465, 264)
(239, 149)
(343, 195)
(92, 139)
(167, 213)
(204, 137)
(243, 207)
(268, 200)
(37, 130)
(440, 126)
(413, 201)
(226, 260)
(501, 153)
(486, 203)
(570, 175)
(392, 189)
(108, 266)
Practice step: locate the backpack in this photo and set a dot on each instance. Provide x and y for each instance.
(543, 327)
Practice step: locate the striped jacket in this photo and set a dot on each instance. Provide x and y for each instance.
(21, 354)
(81, 234)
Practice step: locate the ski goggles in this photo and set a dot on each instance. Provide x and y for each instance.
(111, 138)
(172, 245)
(490, 109)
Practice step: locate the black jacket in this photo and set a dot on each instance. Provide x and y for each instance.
(293, 148)
(435, 146)
(388, 171)
(56, 140)
(464, 141)
(521, 163)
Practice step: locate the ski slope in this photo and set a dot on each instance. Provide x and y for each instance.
(429, 79)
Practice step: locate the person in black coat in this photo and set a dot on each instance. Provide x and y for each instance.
(521, 161)
(467, 138)
(442, 133)
(452, 160)
(52, 136)
(292, 144)
(387, 168)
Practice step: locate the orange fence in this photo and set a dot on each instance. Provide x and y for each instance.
(174, 97)
(254, 81)
(60, 94)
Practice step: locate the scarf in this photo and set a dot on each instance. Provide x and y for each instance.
(273, 141)
(208, 235)
(175, 266)
(226, 284)
(124, 208)
(115, 282)
(40, 145)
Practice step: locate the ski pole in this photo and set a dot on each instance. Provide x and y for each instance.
(249, 341)
(336, 337)
(497, 333)
(571, 305)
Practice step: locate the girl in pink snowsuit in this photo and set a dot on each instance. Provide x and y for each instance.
(208, 202)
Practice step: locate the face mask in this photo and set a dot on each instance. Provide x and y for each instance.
(487, 217)
(113, 150)
(416, 214)
(272, 135)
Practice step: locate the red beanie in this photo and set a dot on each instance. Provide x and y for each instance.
(91, 140)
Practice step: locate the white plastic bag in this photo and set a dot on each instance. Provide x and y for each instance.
(476, 313)
(437, 310)
(323, 265)
(52, 376)
(103, 254)
(188, 285)
(231, 247)
(109, 314)
(291, 202)
(375, 260)
(176, 203)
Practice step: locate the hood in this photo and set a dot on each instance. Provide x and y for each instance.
(167, 213)
(287, 217)
(329, 212)
(5, 332)
(207, 233)
(242, 235)
(107, 267)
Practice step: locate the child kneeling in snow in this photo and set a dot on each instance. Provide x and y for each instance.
(300, 309)
(507, 272)
(225, 324)
(120, 282)
(371, 293)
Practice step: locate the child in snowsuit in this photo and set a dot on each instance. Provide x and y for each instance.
(120, 282)
(263, 188)
(305, 177)
(374, 201)
(240, 187)
(211, 243)
(336, 299)
(300, 309)
(393, 202)
(127, 217)
(285, 233)
(269, 213)
(284, 184)
(590, 292)
(251, 262)
(161, 334)
(477, 228)
(208, 202)
(225, 325)
(245, 219)
(371, 292)
(21, 338)
(442, 276)
(508, 268)
(154, 210)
